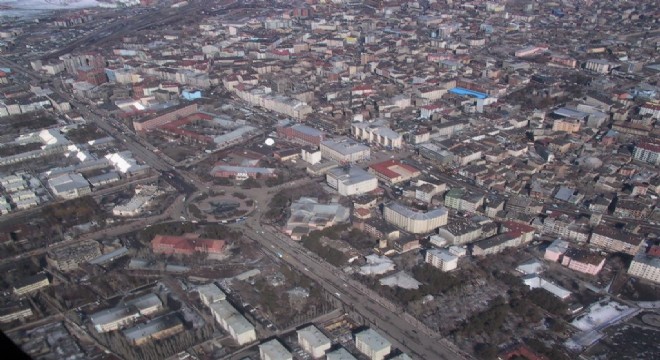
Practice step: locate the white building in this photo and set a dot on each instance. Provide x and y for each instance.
(233, 322)
(442, 259)
(312, 156)
(646, 267)
(414, 221)
(351, 181)
(69, 185)
(313, 341)
(377, 134)
(274, 350)
(372, 344)
(344, 150)
(210, 293)
(340, 354)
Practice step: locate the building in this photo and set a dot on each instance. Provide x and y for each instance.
(69, 257)
(210, 293)
(164, 117)
(233, 322)
(311, 155)
(13, 313)
(274, 350)
(30, 284)
(441, 259)
(566, 125)
(308, 215)
(344, 151)
(583, 261)
(415, 222)
(646, 266)
(313, 341)
(349, 181)
(155, 329)
(556, 250)
(242, 172)
(186, 245)
(615, 240)
(599, 65)
(340, 354)
(434, 152)
(372, 344)
(648, 152)
(69, 185)
(302, 133)
(114, 318)
(463, 200)
(377, 134)
(393, 171)
(461, 231)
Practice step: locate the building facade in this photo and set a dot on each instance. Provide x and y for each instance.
(414, 221)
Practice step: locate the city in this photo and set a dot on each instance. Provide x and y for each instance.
(338, 179)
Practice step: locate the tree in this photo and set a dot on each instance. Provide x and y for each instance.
(485, 351)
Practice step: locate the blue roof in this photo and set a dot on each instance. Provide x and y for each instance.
(462, 91)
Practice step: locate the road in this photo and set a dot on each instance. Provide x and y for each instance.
(386, 317)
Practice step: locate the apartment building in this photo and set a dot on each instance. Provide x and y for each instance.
(416, 222)
(460, 232)
(441, 259)
(646, 266)
(648, 152)
(614, 240)
(583, 261)
(274, 350)
(372, 344)
(463, 200)
(233, 322)
(30, 284)
(377, 134)
(313, 341)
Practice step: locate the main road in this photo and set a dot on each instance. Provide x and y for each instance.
(405, 333)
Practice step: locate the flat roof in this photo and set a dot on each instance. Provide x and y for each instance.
(373, 339)
(275, 350)
(417, 215)
(314, 336)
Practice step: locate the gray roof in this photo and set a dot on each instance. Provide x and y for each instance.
(147, 329)
(234, 319)
(314, 336)
(373, 339)
(354, 175)
(345, 146)
(417, 215)
(275, 350)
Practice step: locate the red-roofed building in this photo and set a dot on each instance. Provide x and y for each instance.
(186, 245)
(393, 171)
(648, 152)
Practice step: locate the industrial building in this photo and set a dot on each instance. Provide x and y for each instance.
(344, 151)
(68, 258)
(302, 133)
(308, 215)
(416, 222)
(126, 313)
(155, 329)
(349, 181)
